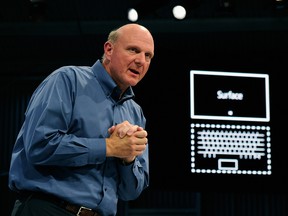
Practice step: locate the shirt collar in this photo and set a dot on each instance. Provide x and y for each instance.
(108, 84)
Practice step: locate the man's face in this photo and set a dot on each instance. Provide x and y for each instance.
(130, 57)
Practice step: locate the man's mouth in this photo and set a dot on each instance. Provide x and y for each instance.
(134, 71)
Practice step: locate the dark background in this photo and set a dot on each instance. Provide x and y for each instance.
(36, 37)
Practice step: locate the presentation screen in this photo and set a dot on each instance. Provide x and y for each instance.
(209, 129)
(230, 123)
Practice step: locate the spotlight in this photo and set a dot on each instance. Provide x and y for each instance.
(182, 8)
(145, 9)
(132, 15)
(179, 12)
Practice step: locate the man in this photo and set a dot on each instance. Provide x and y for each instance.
(83, 144)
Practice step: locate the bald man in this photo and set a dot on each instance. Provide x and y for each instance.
(83, 144)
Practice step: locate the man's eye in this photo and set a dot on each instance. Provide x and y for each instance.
(148, 56)
(133, 50)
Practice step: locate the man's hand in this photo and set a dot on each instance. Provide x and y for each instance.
(125, 128)
(126, 141)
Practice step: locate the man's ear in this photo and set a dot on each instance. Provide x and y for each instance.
(108, 47)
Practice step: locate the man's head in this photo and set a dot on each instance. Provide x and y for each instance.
(127, 54)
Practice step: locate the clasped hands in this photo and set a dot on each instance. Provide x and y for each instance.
(126, 141)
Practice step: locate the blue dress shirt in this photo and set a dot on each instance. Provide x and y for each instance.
(61, 146)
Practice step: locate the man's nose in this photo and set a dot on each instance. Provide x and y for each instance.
(140, 58)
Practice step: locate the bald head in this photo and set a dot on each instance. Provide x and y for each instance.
(131, 29)
(128, 53)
